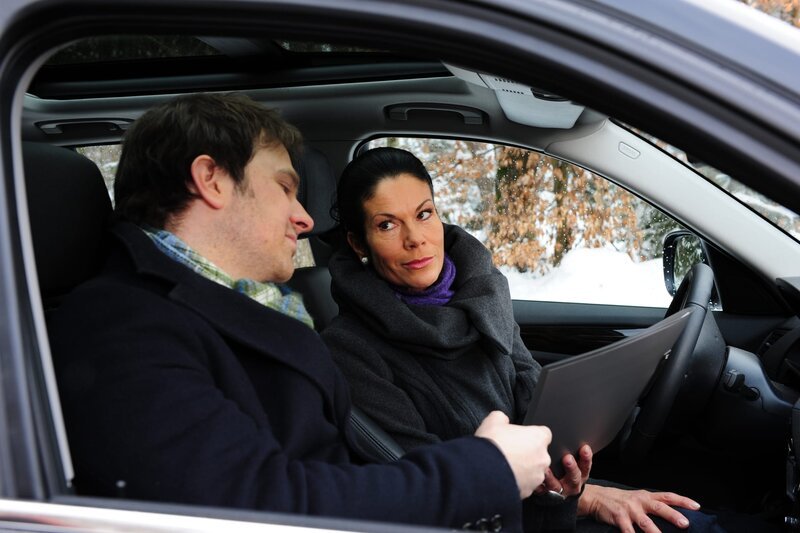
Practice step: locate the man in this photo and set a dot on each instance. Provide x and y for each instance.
(187, 374)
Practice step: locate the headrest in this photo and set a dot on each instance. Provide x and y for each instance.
(317, 190)
(69, 211)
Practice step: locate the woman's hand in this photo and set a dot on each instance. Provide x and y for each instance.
(624, 508)
(576, 472)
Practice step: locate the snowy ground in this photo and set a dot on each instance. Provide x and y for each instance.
(594, 275)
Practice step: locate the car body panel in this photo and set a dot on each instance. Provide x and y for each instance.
(654, 63)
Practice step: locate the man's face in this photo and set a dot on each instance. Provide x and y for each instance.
(266, 217)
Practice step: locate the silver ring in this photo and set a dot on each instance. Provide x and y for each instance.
(550, 497)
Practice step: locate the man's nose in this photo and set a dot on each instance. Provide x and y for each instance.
(301, 220)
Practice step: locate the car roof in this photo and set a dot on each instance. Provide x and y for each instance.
(703, 27)
(639, 64)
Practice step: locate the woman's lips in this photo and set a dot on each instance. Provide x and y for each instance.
(416, 264)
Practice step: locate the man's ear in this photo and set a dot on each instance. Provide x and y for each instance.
(211, 182)
(358, 248)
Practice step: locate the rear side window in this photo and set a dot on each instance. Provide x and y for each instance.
(106, 157)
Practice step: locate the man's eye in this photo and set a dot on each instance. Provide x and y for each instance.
(386, 225)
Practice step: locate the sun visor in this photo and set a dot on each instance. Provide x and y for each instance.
(524, 104)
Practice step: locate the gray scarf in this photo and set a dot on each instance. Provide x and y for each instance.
(479, 312)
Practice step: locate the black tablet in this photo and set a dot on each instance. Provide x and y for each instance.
(586, 399)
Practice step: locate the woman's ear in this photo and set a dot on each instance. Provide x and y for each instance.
(210, 182)
(358, 248)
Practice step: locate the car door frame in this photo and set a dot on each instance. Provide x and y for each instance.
(600, 71)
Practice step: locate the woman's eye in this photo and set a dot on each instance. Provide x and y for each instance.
(386, 225)
(425, 215)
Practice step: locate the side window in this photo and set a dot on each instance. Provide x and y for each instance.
(557, 231)
(106, 157)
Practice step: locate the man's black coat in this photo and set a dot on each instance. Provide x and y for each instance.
(175, 388)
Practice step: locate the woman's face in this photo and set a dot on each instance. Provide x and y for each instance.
(405, 237)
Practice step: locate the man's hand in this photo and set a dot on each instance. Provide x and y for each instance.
(624, 508)
(576, 472)
(524, 447)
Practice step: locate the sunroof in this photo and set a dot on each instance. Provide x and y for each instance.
(132, 47)
(126, 65)
(144, 47)
(314, 47)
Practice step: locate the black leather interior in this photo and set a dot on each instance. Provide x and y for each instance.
(316, 192)
(317, 189)
(69, 210)
(314, 283)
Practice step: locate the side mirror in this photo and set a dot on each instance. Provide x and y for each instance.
(682, 250)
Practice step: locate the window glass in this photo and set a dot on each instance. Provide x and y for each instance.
(128, 47)
(557, 231)
(313, 47)
(106, 158)
(775, 213)
(786, 10)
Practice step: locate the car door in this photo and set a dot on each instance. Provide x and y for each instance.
(627, 66)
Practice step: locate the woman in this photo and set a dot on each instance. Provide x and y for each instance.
(426, 334)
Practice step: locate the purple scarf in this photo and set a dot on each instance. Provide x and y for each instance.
(437, 294)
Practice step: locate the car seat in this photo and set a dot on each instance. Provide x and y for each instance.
(316, 192)
(69, 211)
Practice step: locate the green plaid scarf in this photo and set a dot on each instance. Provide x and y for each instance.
(278, 297)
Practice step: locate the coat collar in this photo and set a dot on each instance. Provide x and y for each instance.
(234, 315)
(479, 312)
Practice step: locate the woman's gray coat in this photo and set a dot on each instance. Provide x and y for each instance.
(426, 373)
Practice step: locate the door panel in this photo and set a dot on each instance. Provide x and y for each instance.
(553, 330)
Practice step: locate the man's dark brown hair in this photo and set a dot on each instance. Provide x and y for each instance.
(154, 175)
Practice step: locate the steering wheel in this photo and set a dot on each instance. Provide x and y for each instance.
(694, 293)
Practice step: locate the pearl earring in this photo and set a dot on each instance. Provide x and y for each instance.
(364, 260)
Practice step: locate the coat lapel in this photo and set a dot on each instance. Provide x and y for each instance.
(236, 316)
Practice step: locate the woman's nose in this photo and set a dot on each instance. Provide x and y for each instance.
(413, 238)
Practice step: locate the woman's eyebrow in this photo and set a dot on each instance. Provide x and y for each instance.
(423, 203)
(392, 215)
(389, 215)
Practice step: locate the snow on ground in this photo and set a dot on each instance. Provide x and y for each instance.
(594, 275)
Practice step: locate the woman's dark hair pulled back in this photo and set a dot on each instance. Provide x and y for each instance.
(361, 177)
